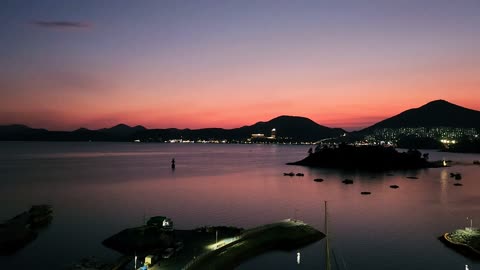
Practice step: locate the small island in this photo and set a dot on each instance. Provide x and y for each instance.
(366, 157)
(466, 241)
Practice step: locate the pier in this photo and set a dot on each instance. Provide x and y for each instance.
(287, 234)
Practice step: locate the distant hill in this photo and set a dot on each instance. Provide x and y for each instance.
(122, 129)
(438, 113)
(292, 127)
(20, 133)
(24, 133)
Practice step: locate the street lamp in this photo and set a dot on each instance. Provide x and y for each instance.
(135, 262)
(471, 222)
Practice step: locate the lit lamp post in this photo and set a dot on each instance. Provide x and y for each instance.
(135, 262)
(471, 222)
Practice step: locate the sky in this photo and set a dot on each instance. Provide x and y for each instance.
(194, 64)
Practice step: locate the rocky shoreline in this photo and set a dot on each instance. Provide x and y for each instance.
(20, 230)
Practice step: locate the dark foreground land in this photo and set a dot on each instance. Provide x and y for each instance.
(23, 228)
(154, 240)
(285, 235)
(373, 158)
(213, 247)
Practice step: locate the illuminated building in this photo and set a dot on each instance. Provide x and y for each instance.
(258, 136)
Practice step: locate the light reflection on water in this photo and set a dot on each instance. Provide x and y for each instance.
(98, 189)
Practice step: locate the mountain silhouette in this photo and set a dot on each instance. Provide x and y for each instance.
(293, 128)
(296, 127)
(122, 130)
(438, 113)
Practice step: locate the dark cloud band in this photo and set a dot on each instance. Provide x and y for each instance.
(61, 24)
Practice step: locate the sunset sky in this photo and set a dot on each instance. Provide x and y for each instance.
(70, 64)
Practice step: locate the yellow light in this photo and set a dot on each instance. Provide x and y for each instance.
(221, 243)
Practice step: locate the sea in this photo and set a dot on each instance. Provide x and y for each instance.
(100, 188)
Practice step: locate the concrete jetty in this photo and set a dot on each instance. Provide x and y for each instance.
(287, 234)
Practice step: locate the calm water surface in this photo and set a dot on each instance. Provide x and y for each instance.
(98, 189)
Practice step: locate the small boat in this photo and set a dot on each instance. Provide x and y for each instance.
(347, 181)
(394, 186)
(365, 193)
(412, 177)
(458, 176)
(289, 174)
(476, 162)
(458, 184)
(318, 179)
(300, 174)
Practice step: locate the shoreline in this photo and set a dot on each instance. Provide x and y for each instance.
(460, 247)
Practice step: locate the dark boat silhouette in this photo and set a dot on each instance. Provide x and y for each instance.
(347, 181)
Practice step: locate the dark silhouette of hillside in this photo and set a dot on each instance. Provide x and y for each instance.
(466, 146)
(414, 142)
(295, 127)
(438, 113)
(122, 130)
(288, 127)
(119, 132)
